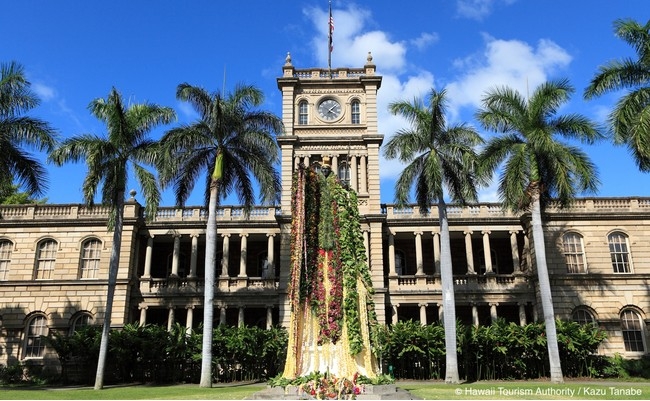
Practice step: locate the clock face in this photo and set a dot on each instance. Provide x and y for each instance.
(329, 109)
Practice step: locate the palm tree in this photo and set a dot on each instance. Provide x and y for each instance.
(439, 158)
(126, 148)
(228, 143)
(16, 130)
(629, 119)
(537, 168)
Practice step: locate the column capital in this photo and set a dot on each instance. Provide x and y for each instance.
(195, 235)
(468, 232)
(188, 307)
(145, 307)
(434, 233)
(423, 304)
(225, 235)
(242, 235)
(416, 233)
(486, 232)
(514, 232)
(270, 234)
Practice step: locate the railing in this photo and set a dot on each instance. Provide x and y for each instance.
(486, 210)
(185, 285)
(469, 282)
(224, 213)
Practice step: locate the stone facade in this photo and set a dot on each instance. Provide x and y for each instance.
(54, 258)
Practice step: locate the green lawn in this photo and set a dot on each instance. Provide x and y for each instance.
(518, 390)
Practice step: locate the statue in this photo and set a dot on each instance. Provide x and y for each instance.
(330, 289)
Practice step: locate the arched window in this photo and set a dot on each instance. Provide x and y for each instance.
(80, 320)
(632, 327)
(34, 344)
(574, 253)
(303, 112)
(45, 259)
(356, 112)
(5, 258)
(618, 250)
(90, 256)
(583, 316)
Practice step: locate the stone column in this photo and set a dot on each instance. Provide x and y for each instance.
(190, 319)
(366, 244)
(487, 254)
(296, 162)
(269, 317)
(143, 315)
(469, 253)
(522, 314)
(147, 258)
(242, 256)
(240, 317)
(441, 313)
(418, 254)
(222, 315)
(395, 316)
(423, 314)
(475, 320)
(270, 256)
(354, 177)
(176, 254)
(335, 165)
(170, 318)
(305, 161)
(194, 255)
(363, 187)
(515, 252)
(493, 312)
(436, 252)
(391, 254)
(225, 252)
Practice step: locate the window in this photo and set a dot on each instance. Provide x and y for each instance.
(45, 259)
(303, 112)
(34, 344)
(5, 258)
(400, 263)
(90, 255)
(344, 173)
(356, 112)
(619, 251)
(632, 331)
(573, 253)
(583, 316)
(80, 320)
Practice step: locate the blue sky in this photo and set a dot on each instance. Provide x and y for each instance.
(75, 51)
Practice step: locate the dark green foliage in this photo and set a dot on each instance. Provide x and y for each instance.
(500, 351)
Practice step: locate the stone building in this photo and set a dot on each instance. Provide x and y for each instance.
(54, 258)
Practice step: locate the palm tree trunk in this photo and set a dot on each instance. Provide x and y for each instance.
(448, 299)
(113, 266)
(545, 290)
(208, 287)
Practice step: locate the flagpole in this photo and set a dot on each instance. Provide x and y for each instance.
(330, 25)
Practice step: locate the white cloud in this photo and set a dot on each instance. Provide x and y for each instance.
(351, 43)
(187, 110)
(477, 9)
(392, 89)
(424, 40)
(44, 92)
(504, 62)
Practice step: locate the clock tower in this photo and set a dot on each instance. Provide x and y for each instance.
(330, 118)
